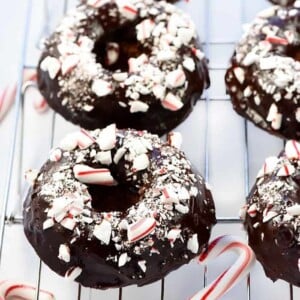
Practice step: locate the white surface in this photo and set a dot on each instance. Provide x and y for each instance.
(225, 145)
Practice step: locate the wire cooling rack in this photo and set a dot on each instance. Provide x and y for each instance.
(226, 149)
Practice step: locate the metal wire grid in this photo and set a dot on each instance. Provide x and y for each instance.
(18, 128)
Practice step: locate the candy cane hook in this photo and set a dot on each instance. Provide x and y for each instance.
(17, 290)
(232, 275)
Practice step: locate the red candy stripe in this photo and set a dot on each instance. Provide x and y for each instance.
(15, 290)
(140, 229)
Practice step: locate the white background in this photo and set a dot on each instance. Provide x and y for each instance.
(219, 23)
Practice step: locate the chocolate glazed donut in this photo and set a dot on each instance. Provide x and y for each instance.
(272, 215)
(134, 63)
(112, 208)
(263, 79)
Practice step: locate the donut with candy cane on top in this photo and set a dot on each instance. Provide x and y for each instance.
(263, 79)
(272, 215)
(131, 62)
(113, 207)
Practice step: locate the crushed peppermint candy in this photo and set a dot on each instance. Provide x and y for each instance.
(103, 232)
(158, 171)
(273, 210)
(84, 80)
(64, 253)
(73, 273)
(266, 66)
(193, 244)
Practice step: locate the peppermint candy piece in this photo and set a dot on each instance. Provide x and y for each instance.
(69, 63)
(193, 244)
(231, 276)
(175, 78)
(159, 91)
(293, 210)
(140, 229)
(55, 155)
(101, 87)
(173, 235)
(50, 65)
(286, 170)
(138, 106)
(97, 3)
(48, 224)
(292, 150)
(103, 232)
(68, 223)
(268, 167)
(144, 29)
(189, 64)
(86, 174)
(239, 74)
(84, 139)
(135, 63)
(120, 76)
(20, 290)
(73, 273)
(107, 137)
(104, 157)
(140, 162)
(172, 102)
(64, 253)
(169, 195)
(277, 40)
(122, 259)
(127, 10)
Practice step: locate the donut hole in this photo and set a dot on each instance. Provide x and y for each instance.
(116, 198)
(294, 52)
(115, 47)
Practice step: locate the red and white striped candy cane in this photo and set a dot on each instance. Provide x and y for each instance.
(17, 290)
(8, 95)
(232, 275)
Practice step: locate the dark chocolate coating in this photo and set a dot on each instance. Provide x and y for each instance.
(89, 254)
(283, 2)
(268, 97)
(107, 109)
(276, 241)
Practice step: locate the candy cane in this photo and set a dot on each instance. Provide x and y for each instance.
(8, 95)
(16, 290)
(232, 275)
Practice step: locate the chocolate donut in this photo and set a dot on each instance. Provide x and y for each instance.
(134, 63)
(112, 208)
(272, 215)
(263, 79)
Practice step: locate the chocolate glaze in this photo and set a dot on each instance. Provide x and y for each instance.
(89, 254)
(283, 2)
(276, 241)
(107, 109)
(256, 91)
